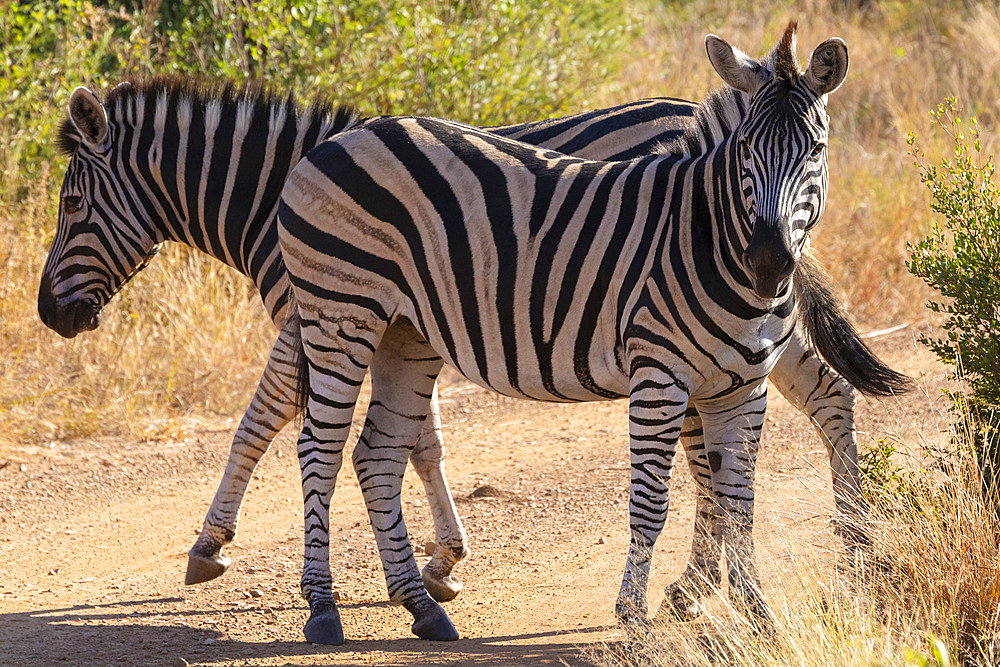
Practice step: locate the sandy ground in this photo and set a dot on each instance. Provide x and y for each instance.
(94, 535)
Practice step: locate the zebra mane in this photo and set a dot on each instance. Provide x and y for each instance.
(201, 93)
(713, 120)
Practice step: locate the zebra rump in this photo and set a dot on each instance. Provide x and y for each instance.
(836, 338)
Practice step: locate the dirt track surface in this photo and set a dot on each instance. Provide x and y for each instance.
(94, 536)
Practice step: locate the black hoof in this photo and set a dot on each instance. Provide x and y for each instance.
(442, 589)
(638, 651)
(434, 624)
(323, 626)
(205, 568)
(756, 613)
(679, 605)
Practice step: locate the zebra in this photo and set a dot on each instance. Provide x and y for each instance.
(117, 207)
(413, 242)
(159, 108)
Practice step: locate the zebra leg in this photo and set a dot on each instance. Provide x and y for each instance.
(656, 414)
(817, 390)
(338, 345)
(272, 407)
(732, 435)
(403, 370)
(681, 598)
(449, 535)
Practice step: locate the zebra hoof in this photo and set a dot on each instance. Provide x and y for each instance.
(679, 605)
(323, 626)
(435, 625)
(205, 568)
(442, 589)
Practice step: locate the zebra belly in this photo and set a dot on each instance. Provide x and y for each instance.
(531, 372)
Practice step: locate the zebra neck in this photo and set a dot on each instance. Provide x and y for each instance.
(211, 177)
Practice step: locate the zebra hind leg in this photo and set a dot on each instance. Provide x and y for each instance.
(339, 346)
(682, 598)
(828, 400)
(272, 407)
(451, 541)
(403, 373)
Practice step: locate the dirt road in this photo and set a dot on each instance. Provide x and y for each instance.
(94, 535)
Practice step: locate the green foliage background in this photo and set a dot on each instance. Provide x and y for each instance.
(188, 338)
(480, 62)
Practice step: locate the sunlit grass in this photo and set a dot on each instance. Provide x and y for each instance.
(188, 337)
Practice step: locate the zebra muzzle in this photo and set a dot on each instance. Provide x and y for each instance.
(67, 319)
(768, 260)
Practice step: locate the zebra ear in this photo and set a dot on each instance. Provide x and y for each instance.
(88, 116)
(827, 67)
(735, 67)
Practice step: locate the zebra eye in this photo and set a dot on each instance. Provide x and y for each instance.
(72, 204)
(744, 148)
(818, 149)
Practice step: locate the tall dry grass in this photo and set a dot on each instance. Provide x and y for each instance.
(926, 595)
(188, 339)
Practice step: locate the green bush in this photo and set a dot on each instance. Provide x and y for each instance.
(484, 63)
(960, 259)
(473, 61)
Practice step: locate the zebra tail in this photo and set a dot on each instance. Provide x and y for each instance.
(299, 363)
(836, 338)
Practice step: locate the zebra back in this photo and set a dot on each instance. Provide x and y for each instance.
(177, 159)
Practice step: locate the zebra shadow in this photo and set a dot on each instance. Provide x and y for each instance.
(156, 632)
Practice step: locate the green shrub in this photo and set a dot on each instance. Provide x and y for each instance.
(960, 259)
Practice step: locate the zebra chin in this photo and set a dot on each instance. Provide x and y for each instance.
(72, 318)
(769, 287)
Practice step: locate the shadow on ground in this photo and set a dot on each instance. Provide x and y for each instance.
(149, 632)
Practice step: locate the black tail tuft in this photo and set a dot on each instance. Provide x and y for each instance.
(836, 338)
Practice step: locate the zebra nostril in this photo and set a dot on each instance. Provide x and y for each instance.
(787, 269)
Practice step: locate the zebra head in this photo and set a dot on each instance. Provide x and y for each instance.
(103, 235)
(780, 149)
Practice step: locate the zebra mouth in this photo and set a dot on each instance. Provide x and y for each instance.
(769, 288)
(73, 318)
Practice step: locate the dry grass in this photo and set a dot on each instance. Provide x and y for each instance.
(928, 594)
(188, 337)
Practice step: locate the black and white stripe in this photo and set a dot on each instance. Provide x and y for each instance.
(414, 242)
(109, 242)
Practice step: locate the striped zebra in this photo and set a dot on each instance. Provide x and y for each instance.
(114, 201)
(414, 242)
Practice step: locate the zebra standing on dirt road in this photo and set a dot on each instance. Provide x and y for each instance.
(414, 242)
(171, 159)
(116, 187)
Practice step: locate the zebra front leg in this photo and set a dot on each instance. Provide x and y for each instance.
(682, 598)
(732, 428)
(809, 384)
(450, 538)
(403, 373)
(272, 407)
(656, 414)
